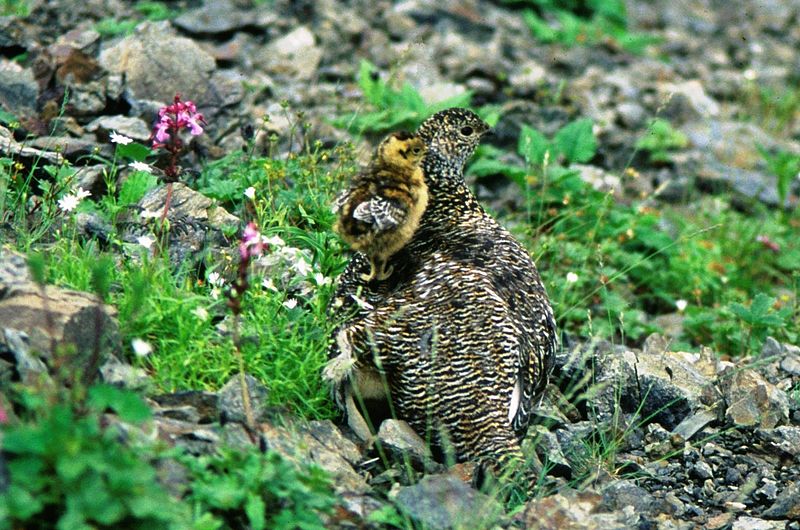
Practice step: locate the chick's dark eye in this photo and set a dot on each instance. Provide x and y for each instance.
(467, 131)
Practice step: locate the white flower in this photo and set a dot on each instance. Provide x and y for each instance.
(681, 305)
(201, 313)
(215, 279)
(82, 194)
(145, 241)
(302, 267)
(274, 241)
(572, 277)
(141, 166)
(120, 139)
(68, 202)
(291, 303)
(267, 283)
(321, 279)
(215, 292)
(141, 348)
(250, 193)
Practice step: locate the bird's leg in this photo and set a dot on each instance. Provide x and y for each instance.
(373, 271)
(386, 270)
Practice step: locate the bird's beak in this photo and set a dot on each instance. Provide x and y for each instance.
(488, 133)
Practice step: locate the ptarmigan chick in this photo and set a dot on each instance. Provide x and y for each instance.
(380, 212)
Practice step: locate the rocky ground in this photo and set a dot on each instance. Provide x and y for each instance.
(689, 440)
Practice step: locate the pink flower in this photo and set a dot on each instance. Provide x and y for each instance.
(252, 244)
(173, 118)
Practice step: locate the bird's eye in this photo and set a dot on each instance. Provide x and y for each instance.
(467, 131)
(416, 150)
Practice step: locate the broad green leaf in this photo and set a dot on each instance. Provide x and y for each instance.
(532, 145)
(126, 404)
(576, 141)
(133, 151)
(135, 187)
(255, 509)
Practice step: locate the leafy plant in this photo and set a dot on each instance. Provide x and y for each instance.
(661, 138)
(67, 468)
(393, 108)
(786, 168)
(258, 490)
(19, 8)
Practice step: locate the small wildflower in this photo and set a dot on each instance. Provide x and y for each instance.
(69, 202)
(267, 283)
(572, 277)
(215, 292)
(250, 193)
(141, 348)
(321, 280)
(291, 303)
(768, 243)
(201, 313)
(252, 244)
(145, 241)
(141, 166)
(214, 278)
(120, 139)
(302, 267)
(173, 118)
(681, 305)
(274, 241)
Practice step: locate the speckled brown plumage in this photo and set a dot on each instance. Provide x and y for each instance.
(381, 210)
(462, 332)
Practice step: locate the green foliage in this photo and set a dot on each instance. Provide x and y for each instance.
(18, 8)
(583, 23)
(776, 109)
(392, 108)
(785, 166)
(68, 470)
(661, 138)
(153, 11)
(270, 491)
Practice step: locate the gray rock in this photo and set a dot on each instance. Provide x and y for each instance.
(18, 89)
(71, 148)
(631, 114)
(88, 99)
(157, 64)
(753, 523)
(600, 179)
(231, 406)
(620, 494)
(753, 401)
(528, 77)
(400, 440)
(134, 128)
(785, 438)
(14, 273)
(326, 433)
(548, 450)
(297, 444)
(12, 148)
(223, 16)
(443, 502)
(786, 505)
(204, 403)
(691, 425)
(196, 439)
(295, 55)
(577, 511)
(115, 372)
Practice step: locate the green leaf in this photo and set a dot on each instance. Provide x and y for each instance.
(133, 151)
(255, 509)
(126, 404)
(576, 141)
(532, 145)
(135, 187)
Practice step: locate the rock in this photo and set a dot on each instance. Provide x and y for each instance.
(577, 511)
(230, 405)
(134, 128)
(157, 64)
(71, 148)
(600, 180)
(785, 439)
(223, 17)
(326, 433)
(203, 403)
(188, 204)
(620, 494)
(691, 425)
(298, 445)
(18, 89)
(527, 78)
(753, 523)
(787, 504)
(443, 502)
(697, 103)
(12, 148)
(116, 372)
(195, 439)
(295, 55)
(631, 114)
(53, 322)
(753, 401)
(14, 273)
(548, 450)
(400, 440)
